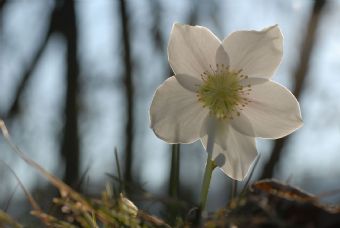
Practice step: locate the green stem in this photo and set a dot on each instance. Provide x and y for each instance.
(210, 166)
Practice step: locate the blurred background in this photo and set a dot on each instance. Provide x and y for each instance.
(77, 79)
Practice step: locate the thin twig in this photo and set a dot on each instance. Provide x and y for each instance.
(63, 188)
(233, 189)
(121, 181)
(28, 195)
(9, 200)
(250, 174)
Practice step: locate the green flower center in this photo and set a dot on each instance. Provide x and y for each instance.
(222, 92)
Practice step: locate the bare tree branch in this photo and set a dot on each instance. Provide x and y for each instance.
(55, 26)
(14, 109)
(300, 77)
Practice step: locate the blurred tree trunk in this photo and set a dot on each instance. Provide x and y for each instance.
(160, 44)
(63, 20)
(70, 141)
(300, 77)
(129, 91)
(2, 3)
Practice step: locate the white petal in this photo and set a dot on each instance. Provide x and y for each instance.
(234, 151)
(273, 112)
(221, 56)
(192, 49)
(257, 53)
(176, 115)
(189, 82)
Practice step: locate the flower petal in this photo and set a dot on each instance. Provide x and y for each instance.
(233, 151)
(273, 112)
(257, 53)
(192, 49)
(222, 56)
(189, 82)
(176, 115)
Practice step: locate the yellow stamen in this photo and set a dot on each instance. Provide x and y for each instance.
(222, 92)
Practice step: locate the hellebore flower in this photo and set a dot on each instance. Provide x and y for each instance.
(227, 82)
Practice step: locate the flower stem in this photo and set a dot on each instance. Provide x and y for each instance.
(209, 167)
(206, 182)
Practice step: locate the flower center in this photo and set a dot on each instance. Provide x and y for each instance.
(222, 92)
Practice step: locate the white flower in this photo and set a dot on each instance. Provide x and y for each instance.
(228, 82)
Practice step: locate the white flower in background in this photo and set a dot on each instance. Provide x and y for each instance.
(227, 82)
